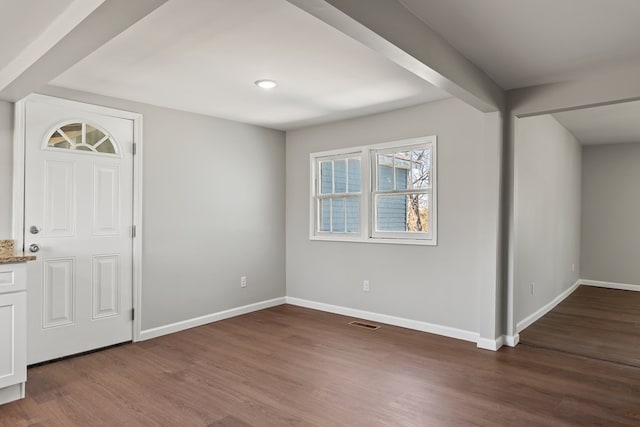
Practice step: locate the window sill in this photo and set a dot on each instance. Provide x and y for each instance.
(376, 240)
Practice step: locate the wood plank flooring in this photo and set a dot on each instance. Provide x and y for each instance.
(290, 366)
(594, 322)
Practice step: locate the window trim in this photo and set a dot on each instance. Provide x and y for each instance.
(319, 195)
(430, 192)
(316, 195)
(366, 153)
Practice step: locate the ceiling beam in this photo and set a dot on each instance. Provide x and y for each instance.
(389, 28)
(81, 29)
(592, 89)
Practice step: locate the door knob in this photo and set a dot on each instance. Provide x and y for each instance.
(34, 248)
(34, 229)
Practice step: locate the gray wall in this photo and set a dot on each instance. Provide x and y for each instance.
(548, 203)
(213, 208)
(6, 167)
(610, 213)
(438, 284)
(591, 89)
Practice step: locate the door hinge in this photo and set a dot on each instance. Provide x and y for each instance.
(133, 314)
(134, 231)
(134, 148)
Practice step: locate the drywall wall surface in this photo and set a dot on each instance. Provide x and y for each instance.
(610, 213)
(547, 220)
(6, 168)
(436, 284)
(213, 210)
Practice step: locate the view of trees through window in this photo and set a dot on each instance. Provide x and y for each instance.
(402, 200)
(383, 193)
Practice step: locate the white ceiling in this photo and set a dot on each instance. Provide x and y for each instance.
(609, 124)
(23, 21)
(204, 56)
(529, 42)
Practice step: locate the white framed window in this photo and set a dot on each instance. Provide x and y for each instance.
(402, 192)
(390, 198)
(81, 137)
(337, 189)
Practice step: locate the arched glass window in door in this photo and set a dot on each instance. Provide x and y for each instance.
(82, 136)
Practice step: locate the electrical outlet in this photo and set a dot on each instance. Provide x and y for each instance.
(365, 286)
(243, 281)
(533, 288)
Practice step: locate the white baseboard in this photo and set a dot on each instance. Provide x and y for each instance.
(209, 318)
(12, 393)
(447, 331)
(489, 344)
(610, 285)
(527, 321)
(512, 340)
(432, 328)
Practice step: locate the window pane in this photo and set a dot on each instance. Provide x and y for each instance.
(418, 212)
(57, 140)
(402, 159)
(391, 213)
(402, 164)
(385, 176)
(326, 177)
(93, 135)
(338, 211)
(402, 179)
(353, 215)
(325, 215)
(73, 132)
(403, 213)
(354, 175)
(106, 147)
(340, 175)
(420, 169)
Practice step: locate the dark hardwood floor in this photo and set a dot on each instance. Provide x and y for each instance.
(290, 366)
(594, 322)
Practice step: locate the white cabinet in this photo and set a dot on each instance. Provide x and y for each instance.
(13, 331)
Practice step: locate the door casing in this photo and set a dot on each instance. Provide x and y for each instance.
(19, 185)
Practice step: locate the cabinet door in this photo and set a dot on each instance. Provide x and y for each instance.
(12, 278)
(13, 345)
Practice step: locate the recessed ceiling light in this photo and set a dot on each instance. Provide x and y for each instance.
(266, 84)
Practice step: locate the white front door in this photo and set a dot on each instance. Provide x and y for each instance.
(78, 211)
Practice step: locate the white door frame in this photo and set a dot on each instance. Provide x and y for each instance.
(19, 184)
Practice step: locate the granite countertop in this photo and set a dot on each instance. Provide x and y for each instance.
(8, 253)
